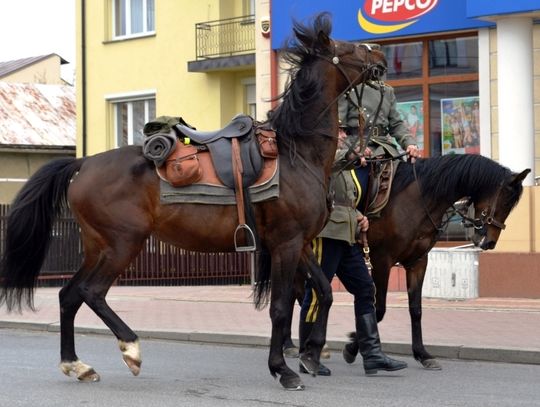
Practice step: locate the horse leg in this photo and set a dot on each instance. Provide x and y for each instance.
(284, 262)
(70, 302)
(415, 280)
(289, 348)
(91, 287)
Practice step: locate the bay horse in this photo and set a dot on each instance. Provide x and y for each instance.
(409, 225)
(115, 198)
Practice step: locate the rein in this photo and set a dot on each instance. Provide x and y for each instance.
(486, 216)
(439, 229)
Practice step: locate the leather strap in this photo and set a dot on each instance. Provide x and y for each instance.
(238, 171)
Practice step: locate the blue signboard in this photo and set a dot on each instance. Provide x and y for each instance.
(369, 20)
(486, 8)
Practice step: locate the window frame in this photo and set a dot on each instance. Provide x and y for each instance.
(115, 100)
(127, 16)
(425, 80)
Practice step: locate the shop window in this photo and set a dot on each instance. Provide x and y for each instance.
(436, 85)
(455, 119)
(404, 60)
(410, 106)
(442, 72)
(130, 117)
(453, 56)
(133, 17)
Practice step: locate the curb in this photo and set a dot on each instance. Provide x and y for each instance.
(521, 356)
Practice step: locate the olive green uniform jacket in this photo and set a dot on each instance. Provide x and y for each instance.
(389, 124)
(343, 217)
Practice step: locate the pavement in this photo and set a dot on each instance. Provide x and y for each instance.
(489, 329)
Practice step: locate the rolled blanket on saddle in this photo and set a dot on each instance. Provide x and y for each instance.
(159, 146)
(161, 138)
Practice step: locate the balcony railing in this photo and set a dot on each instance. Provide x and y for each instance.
(222, 38)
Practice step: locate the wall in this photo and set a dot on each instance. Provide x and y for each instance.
(156, 63)
(22, 164)
(536, 95)
(46, 71)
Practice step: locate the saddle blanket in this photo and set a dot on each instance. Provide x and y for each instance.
(204, 193)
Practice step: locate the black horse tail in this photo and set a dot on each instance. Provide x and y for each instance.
(28, 230)
(262, 286)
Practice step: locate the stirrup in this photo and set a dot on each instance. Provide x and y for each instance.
(250, 237)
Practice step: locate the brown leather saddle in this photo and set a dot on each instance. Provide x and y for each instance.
(238, 156)
(380, 186)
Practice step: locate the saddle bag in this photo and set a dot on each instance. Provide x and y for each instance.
(183, 166)
(267, 143)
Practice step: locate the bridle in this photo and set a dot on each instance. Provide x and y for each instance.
(487, 216)
(335, 61)
(338, 63)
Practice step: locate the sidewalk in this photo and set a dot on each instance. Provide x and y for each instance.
(494, 329)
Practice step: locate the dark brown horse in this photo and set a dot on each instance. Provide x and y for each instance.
(409, 225)
(115, 197)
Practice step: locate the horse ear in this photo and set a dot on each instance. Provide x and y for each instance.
(323, 40)
(518, 178)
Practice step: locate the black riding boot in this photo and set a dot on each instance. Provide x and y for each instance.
(351, 349)
(370, 346)
(303, 333)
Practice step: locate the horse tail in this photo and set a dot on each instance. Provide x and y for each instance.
(28, 230)
(262, 286)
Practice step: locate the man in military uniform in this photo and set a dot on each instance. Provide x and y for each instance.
(383, 122)
(338, 253)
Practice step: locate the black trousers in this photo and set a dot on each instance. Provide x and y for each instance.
(338, 257)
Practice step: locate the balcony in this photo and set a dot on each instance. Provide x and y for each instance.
(224, 44)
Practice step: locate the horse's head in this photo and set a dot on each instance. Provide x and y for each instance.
(490, 212)
(353, 62)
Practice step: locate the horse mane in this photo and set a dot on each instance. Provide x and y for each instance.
(293, 117)
(462, 174)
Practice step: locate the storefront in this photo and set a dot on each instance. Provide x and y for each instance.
(440, 57)
(467, 77)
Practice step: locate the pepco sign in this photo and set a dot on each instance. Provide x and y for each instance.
(385, 16)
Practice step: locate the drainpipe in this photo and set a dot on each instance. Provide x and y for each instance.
(83, 75)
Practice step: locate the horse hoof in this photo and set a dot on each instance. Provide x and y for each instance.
(309, 365)
(131, 353)
(89, 376)
(292, 383)
(291, 352)
(82, 371)
(325, 353)
(132, 364)
(431, 364)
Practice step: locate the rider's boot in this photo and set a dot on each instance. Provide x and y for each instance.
(370, 346)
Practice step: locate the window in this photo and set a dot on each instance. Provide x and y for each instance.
(437, 77)
(404, 60)
(249, 7)
(251, 100)
(436, 85)
(133, 17)
(130, 118)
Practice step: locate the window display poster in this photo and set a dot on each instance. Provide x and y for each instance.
(460, 122)
(412, 114)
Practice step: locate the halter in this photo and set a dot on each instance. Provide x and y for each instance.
(487, 215)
